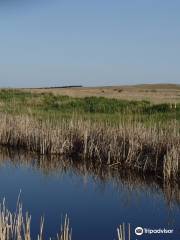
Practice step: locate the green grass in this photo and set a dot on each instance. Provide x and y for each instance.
(47, 105)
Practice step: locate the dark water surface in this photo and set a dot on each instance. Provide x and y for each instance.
(96, 200)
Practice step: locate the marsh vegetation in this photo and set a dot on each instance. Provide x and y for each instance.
(134, 144)
(17, 225)
(127, 134)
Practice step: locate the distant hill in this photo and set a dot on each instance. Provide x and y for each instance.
(156, 93)
(159, 86)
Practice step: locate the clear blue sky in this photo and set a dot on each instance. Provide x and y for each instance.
(89, 42)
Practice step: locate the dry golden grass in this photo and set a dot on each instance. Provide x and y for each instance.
(16, 226)
(130, 145)
(156, 93)
(123, 232)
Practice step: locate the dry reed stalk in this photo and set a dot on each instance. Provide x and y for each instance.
(14, 226)
(66, 232)
(130, 145)
(122, 232)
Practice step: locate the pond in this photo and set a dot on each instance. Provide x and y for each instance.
(96, 199)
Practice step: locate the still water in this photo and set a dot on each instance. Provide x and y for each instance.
(96, 200)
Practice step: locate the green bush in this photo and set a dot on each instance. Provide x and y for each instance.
(159, 108)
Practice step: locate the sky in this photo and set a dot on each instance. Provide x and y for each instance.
(89, 43)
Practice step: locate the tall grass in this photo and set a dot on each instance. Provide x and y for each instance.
(129, 145)
(123, 232)
(16, 226)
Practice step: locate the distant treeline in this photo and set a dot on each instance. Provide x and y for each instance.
(70, 86)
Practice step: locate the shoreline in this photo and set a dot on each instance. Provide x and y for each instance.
(132, 146)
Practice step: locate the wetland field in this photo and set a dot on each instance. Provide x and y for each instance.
(88, 167)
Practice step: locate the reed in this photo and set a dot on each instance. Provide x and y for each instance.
(16, 226)
(131, 145)
(66, 232)
(123, 232)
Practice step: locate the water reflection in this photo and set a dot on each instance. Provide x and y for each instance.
(101, 175)
(96, 198)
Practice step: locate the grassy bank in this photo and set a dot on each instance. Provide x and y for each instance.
(127, 145)
(48, 105)
(127, 134)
